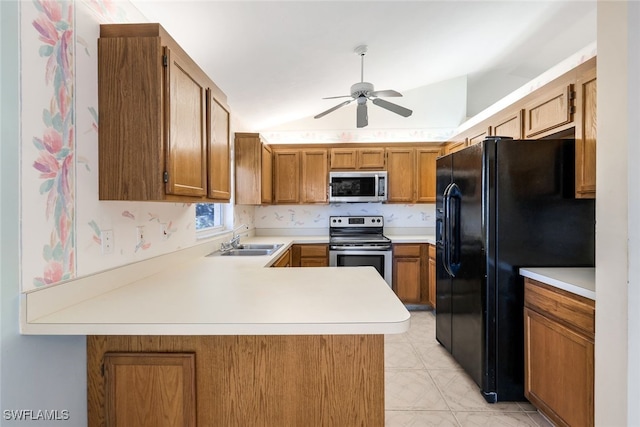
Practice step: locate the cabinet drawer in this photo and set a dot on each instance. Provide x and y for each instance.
(406, 250)
(313, 250)
(570, 309)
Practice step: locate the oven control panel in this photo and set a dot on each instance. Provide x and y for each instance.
(356, 221)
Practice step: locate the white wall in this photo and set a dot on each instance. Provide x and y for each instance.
(36, 372)
(617, 212)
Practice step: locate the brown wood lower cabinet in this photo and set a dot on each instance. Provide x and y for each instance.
(257, 380)
(284, 260)
(310, 255)
(432, 276)
(559, 348)
(150, 389)
(410, 272)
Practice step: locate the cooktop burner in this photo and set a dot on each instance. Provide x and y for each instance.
(345, 231)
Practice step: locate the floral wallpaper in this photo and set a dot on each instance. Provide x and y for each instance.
(55, 143)
(317, 216)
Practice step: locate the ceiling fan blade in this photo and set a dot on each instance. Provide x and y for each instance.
(404, 112)
(336, 97)
(385, 93)
(324, 113)
(362, 119)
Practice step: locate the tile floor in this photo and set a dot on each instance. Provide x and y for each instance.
(424, 386)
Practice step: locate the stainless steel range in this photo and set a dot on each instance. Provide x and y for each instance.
(359, 241)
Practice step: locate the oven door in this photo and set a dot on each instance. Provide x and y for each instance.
(379, 259)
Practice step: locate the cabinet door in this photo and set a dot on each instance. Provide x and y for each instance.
(343, 158)
(426, 174)
(586, 127)
(432, 276)
(267, 175)
(286, 176)
(284, 260)
(510, 126)
(315, 176)
(219, 157)
(452, 147)
(409, 272)
(401, 175)
(559, 371)
(248, 168)
(478, 137)
(549, 111)
(150, 389)
(371, 158)
(185, 130)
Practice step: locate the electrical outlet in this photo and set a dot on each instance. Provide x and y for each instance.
(106, 241)
(140, 235)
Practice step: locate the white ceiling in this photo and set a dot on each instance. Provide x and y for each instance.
(275, 60)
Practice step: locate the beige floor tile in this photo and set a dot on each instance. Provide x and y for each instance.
(539, 419)
(411, 389)
(462, 394)
(420, 419)
(401, 355)
(494, 419)
(434, 355)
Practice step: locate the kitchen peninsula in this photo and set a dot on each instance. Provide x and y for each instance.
(234, 342)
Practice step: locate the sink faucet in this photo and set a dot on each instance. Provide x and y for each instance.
(235, 238)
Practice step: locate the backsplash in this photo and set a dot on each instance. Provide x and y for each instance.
(317, 216)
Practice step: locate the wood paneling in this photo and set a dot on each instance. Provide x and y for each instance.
(319, 380)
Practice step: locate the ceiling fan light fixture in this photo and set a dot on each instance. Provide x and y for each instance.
(362, 91)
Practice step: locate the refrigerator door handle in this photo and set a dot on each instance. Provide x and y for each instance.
(454, 202)
(446, 230)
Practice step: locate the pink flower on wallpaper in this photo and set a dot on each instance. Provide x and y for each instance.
(47, 30)
(51, 9)
(53, 272)
(52, 141)
(47, 165)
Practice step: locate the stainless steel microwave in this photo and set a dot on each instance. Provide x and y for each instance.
(360, 186)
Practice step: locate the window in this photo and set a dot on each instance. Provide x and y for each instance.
(209, 217)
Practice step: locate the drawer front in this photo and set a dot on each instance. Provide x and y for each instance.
(406, 250)
(572, 310)
(314, 250)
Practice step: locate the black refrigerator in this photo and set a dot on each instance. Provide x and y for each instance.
(502, 204)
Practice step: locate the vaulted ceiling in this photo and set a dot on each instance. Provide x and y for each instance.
(276, 60)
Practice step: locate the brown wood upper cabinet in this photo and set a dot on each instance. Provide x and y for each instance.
(480, 136)
(371, 158)
(412, 174)
(550, 110)
(586, 129)
(219, 185)
(300, 175)
(253, 170)
(509, 125)
(163, 123)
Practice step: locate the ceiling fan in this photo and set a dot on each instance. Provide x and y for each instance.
(362, 91)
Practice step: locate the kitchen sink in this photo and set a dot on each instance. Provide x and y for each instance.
(271, 246)
(248, 252)
(250, 249)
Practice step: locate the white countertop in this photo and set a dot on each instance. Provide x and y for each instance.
(221, 295)
(577, 280)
